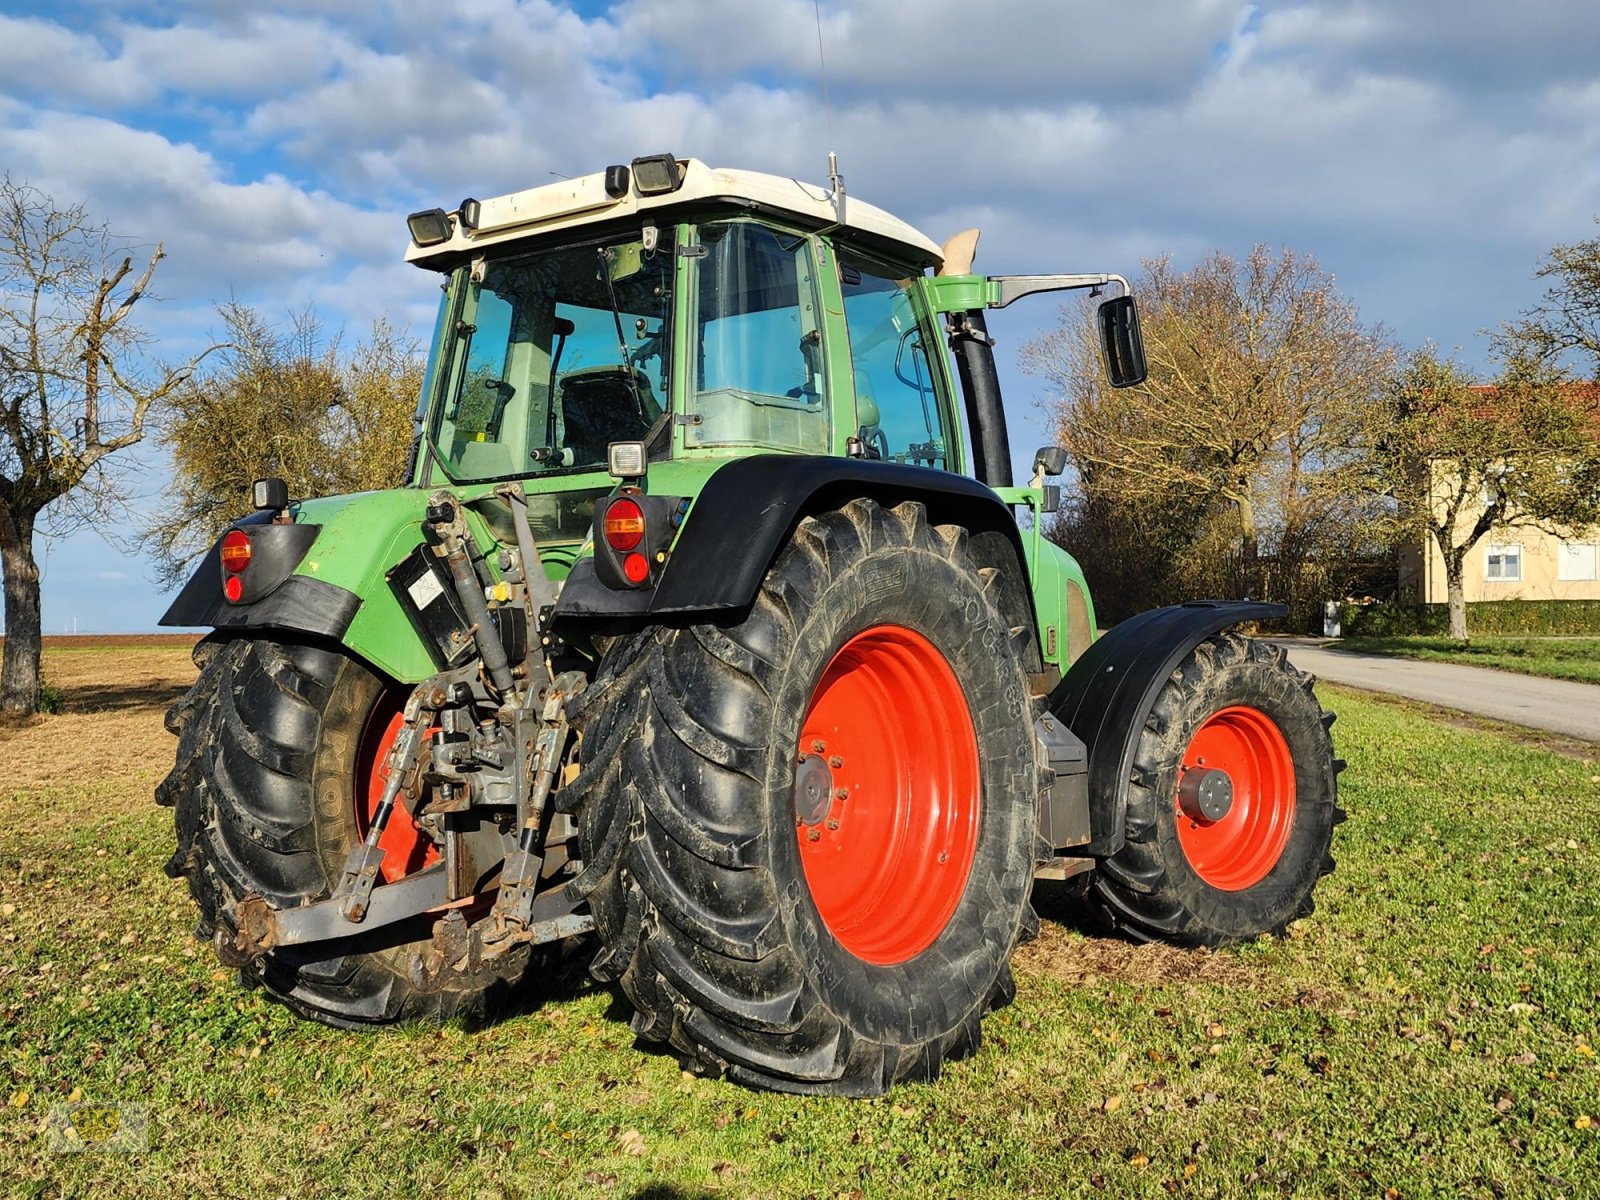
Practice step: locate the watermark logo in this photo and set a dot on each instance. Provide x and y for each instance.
(111, 1128)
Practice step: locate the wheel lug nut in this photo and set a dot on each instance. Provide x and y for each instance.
(841, 793)
(818, 745)
(836, 762)
(813, 835)
(833, 824)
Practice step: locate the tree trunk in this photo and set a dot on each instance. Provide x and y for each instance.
(19, 671)
(1456, 593)
(1249, 547)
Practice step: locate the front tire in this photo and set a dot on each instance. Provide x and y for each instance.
(766, 926)
(1237, 718)
(277, 748)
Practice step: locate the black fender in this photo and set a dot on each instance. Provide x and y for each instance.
(1107, 696)
(275, 598)
(746, 511)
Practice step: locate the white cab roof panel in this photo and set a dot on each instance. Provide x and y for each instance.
(572, 203)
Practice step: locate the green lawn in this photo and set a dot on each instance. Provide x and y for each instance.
(1429, 1032)
(1554, 658)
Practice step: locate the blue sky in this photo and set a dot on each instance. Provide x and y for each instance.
(1428, 153)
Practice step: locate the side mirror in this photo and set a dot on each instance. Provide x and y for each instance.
(1121, 342)
(1049, 460)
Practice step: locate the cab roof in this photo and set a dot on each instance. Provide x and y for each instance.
(573, 203)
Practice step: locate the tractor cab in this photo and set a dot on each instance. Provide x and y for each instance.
(702, 313)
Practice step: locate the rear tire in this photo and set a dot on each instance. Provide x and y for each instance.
(846, 962)
(275, 747)
(1236, 704)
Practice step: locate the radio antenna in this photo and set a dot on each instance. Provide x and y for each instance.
(835, 180)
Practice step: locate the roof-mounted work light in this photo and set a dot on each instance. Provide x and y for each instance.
(468, 211)
(430, 227)
(656, 174)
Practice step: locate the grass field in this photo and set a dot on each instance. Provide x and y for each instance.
(1431, 1031)
(1554, 658)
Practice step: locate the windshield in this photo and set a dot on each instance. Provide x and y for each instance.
(554, 356)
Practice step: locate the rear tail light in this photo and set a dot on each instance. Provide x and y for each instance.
(235, 551)
(624, 527)
(632, 534)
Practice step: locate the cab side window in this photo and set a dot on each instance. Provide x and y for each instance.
(897, 404)
(758, 377)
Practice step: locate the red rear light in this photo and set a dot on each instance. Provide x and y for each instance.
(233, 588)
(624, 526)
(235, 551)
(636, 567)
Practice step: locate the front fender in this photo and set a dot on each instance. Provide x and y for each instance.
(1107, 696)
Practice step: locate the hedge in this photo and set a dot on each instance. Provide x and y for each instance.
(1490, 617)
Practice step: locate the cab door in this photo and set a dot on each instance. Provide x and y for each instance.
(903, 409)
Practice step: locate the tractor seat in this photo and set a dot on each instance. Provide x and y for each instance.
(598, 406)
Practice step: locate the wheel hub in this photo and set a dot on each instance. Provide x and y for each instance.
(1205, 794)
(813, 790)
(1235, 798)
(887, 794)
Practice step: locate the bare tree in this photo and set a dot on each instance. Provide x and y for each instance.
(1259, 371)
(1463, 460)
(74, 390)
(284, 401)
(1565, 324)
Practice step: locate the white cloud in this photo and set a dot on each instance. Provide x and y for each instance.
(1022, 51)
(260, 56)
(41, 58)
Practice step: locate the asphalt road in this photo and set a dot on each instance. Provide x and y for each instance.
(1556, 705)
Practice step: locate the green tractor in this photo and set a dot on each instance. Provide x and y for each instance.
(704, 625)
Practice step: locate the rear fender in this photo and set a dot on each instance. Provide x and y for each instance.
(335, 586)
(746, 511)
(1107, 696)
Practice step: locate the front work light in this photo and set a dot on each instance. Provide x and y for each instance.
(469, 210)
(656, 174)
(430, 227)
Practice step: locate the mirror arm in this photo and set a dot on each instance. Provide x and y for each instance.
(1007, 289)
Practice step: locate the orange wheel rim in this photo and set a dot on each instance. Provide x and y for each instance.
(889, 747)
(406, 848)
(1240, 847)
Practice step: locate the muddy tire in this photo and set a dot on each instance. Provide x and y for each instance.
(1234, 708)
(277, 744)
(762, 924)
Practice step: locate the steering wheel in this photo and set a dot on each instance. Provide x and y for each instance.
(875, 442)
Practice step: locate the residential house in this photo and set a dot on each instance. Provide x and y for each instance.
(1515, 563)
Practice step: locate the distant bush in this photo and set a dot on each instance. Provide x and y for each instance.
(51, 699)
(1532, 618)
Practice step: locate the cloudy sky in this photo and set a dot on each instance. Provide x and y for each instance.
(1427, 152)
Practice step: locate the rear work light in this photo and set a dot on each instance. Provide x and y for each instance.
(624, 525)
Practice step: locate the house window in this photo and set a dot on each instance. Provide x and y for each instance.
(1577, 561)
(1504, 564)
